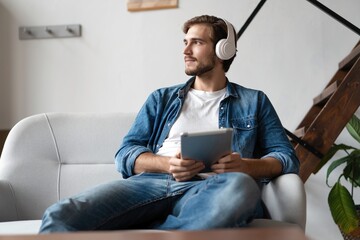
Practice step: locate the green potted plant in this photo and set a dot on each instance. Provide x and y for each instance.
(341, 201)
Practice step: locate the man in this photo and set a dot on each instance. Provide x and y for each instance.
(160, 190)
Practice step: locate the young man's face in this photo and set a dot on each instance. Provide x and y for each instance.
(199, 54)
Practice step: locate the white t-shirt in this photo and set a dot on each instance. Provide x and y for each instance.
(199, 113)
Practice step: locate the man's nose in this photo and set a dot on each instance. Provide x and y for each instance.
(187, 49)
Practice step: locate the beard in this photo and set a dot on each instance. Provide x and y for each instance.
(201, 68)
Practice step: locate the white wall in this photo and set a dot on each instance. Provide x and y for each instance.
(290, 51)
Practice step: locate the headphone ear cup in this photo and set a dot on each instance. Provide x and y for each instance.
(225, 49)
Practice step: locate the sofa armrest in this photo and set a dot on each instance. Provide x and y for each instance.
(285, 199)
(8, 210)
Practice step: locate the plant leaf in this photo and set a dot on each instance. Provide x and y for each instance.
(342, 208)
(335, 164)
(352, 170)
(353, 127)
(332, 151)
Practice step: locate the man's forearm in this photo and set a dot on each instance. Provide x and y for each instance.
(263, 168)
(149, 162)
(257, 168)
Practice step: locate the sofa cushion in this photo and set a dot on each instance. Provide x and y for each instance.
(20, 227)
(56, 155)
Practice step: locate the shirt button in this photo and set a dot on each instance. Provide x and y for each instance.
(248, 126)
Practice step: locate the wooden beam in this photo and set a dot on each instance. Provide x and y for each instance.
(331, 120)
(350, 59)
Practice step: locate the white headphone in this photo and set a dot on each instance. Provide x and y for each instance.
(226, 48)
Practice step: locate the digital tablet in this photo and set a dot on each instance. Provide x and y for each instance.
(208, 146)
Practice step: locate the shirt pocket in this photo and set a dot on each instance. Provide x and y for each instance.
(244, 138)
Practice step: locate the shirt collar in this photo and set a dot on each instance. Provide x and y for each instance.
(230, 90)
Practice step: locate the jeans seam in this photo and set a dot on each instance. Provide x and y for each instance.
(114, 216)
(143, 203)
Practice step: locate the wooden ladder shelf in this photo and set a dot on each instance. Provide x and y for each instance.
(330, 112)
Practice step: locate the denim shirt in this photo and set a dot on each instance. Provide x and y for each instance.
(258, 132)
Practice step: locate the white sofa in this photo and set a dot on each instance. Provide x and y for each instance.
(47, 157)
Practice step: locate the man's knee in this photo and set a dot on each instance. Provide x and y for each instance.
(238, 189)
(238, 181)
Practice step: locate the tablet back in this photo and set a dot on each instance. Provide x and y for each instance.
(208, 146)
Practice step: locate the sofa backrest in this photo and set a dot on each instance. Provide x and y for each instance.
(47, 157)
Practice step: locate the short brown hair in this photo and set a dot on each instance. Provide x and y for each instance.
(218, 31)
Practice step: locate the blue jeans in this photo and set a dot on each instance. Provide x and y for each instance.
(157, 201)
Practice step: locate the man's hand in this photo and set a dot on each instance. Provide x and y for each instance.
(230, 163)
(182, 169)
